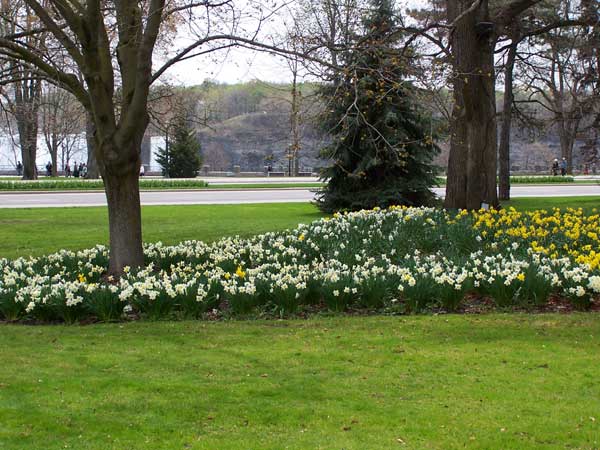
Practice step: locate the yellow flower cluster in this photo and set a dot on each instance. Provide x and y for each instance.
(553, 233)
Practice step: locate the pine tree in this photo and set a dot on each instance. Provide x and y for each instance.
(180, 158)
(382, 145)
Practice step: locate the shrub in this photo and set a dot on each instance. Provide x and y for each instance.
(181, 157)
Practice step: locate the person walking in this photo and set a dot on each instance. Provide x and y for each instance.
(555, 167)
(19, 168)
(68, 171)
(142, 170)
(83, 170)
(76, 170)
(563, 167)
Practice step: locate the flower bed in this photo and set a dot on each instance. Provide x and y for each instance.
(400, 260)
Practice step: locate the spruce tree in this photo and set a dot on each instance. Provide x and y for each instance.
(180, 158)
(382, 144)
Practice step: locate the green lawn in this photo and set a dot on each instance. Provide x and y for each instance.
(530, 203)
(40, 231)
(439, 382)
(510, 381)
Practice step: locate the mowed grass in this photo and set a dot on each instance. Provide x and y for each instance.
(40, 231)
(420, 382)
(588, 203)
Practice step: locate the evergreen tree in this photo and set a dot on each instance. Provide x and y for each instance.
(382, 145)
(180, 158)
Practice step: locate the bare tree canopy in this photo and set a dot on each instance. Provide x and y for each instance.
(102, 52)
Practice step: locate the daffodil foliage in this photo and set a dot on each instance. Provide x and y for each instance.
(398, 260)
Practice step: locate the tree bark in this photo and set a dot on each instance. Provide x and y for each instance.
(295, 125)
(28, 143)
(54, 155)
(504, 147)
(27, 102)
(471, 181)
(567, 141)
(92, 165)
(125, 221)
(456, 182)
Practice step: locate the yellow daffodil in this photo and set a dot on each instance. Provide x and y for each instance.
(240, 272)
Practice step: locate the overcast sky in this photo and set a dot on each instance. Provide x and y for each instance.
(236, 66)
(241, 65)
(267, 19)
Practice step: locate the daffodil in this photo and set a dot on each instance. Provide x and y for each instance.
(240, 272)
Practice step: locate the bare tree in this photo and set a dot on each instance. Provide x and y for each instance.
(112, 44)
(61, 125)
(21, 88)
(542, 20)
(556, 80)
(474, 30)
(476, 27)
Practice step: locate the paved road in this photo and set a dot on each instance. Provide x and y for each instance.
(287, 180)
(64, 199)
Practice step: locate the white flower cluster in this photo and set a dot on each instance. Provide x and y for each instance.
(368, 258)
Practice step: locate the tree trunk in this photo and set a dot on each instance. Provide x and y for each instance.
(125, 220)
(472, 164)
(27, 102)
(295, 126)
(92, 165)
(504, 148)
(27, 125)
(567, 140)
(54, 156)
(28, 144)
(456, 181)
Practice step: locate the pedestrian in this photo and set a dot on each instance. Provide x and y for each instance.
(75, 170)
(555, 167)
(68, 171)
(563, 167)
(142, 170)
(49, 169)
(19, 168)
(83, 170)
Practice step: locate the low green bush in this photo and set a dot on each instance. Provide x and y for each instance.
(541, 179)
(79, 184)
